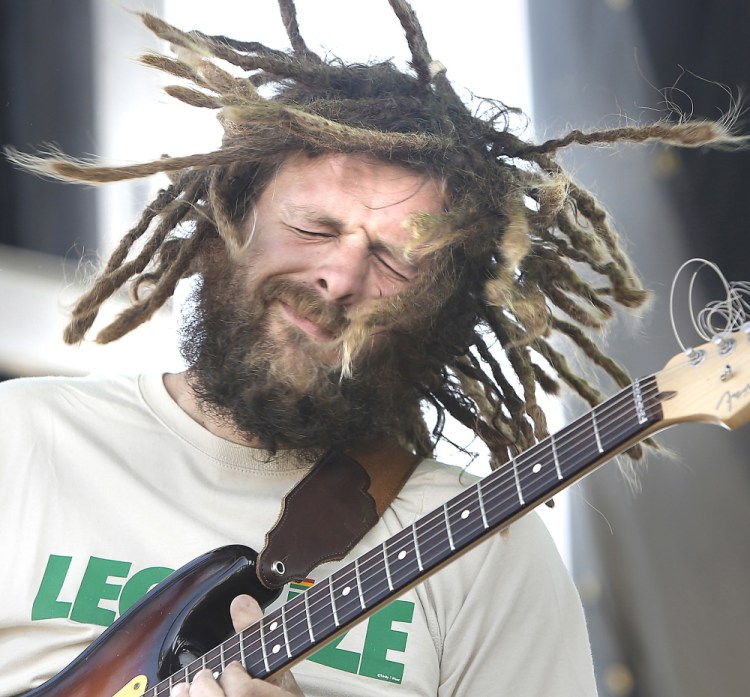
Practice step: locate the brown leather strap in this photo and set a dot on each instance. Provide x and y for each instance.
(331, 509)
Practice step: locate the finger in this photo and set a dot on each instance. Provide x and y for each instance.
(180, 690)
(204, 685)
(236, 682)
(244, 611)
(287, 683)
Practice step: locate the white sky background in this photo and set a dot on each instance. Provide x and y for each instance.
(484, 46)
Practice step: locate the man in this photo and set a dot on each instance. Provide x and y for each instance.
(360, 240)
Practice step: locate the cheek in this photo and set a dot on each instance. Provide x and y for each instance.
(264, 261)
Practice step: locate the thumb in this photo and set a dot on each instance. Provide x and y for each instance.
(244, 610)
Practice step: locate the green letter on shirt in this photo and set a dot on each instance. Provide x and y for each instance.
(381, 637)
(94, 587)
(46, 605)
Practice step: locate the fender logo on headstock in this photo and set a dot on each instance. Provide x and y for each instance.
(730, 396)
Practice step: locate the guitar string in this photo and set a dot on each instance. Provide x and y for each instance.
(500, 484)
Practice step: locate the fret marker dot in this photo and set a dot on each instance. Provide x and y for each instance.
(401, 554)
(465, 514)
(276, 649)
(536, 468)
(216, 675)
(273, 626)
(346, 591)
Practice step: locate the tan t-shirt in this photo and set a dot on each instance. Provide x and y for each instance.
(107, 486)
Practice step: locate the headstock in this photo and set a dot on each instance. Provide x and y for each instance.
(709, 383)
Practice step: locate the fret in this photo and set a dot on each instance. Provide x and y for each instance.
(387, 568)
(374, 579)
(416, 547)
(539, 472)
(555, 456)
(402, 558)
(448, 527)
(481, 504)
(273, 639)
(596, 431)
(464, 517)
(321, 609)
(263, 649)
(243, 658)
(192, 669)
(333, 605)
(359, 585)
(500, 501)
(286, 633)
(433, 540)
(306, 596)
(250, 650)
(344, 594)
(297, 623)
(518, 482)
(212, 660)
(577, 446)
(222, 662)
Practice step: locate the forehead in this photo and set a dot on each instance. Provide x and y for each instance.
(355, 184)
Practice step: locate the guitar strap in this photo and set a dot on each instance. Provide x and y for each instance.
(324, 516)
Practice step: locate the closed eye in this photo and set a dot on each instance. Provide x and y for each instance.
(313, 233)
(390, 268)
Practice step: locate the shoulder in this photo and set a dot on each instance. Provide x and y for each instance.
(51, 385)
(37, 397)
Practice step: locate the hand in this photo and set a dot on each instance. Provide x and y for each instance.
(234, 681)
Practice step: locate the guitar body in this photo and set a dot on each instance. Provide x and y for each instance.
(181, 619)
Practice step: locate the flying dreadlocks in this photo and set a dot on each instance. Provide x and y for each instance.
(522, 253)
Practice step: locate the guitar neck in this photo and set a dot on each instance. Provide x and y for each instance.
(291, 632)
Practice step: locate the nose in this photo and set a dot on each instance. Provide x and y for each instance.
(341, 275)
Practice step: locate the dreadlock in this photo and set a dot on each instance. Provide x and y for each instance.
(521, 255)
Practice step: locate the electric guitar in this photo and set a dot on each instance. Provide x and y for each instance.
(173, 632)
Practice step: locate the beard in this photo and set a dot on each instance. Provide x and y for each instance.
(248, 366)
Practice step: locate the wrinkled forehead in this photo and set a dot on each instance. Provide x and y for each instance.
(377, 183)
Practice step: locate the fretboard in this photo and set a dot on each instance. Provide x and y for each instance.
(298, 627)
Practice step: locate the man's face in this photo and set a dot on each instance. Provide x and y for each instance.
(334, 230)
(326, 243)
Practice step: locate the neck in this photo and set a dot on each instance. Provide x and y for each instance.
(179, 390)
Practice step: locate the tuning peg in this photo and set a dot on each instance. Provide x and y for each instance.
(695, 356)
(725, 346)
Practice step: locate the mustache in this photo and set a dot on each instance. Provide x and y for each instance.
(306, 302)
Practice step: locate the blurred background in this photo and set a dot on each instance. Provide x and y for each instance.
(664, 570)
